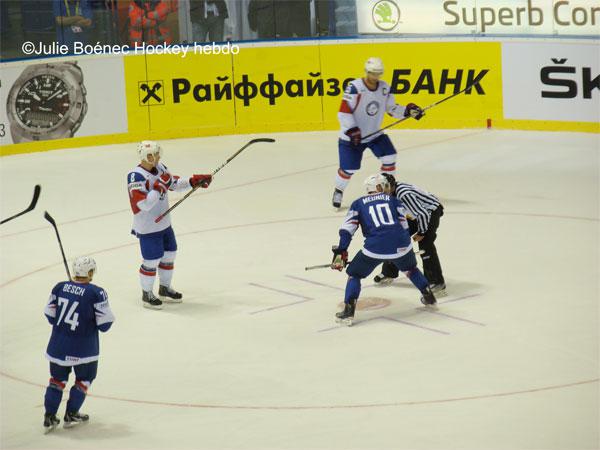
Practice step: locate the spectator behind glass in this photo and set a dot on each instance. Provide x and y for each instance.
(279, 18)
(73, 19)
(147, 21)
(208, 18)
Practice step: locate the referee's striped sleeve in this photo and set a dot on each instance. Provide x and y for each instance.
(418, 202)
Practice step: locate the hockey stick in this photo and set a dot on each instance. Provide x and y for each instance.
(36, 195)
(445, 99)
(253, 141)
(319, 266)
(50, 219)
(324, 266)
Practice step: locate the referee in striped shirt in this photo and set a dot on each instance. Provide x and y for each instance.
(426, 211)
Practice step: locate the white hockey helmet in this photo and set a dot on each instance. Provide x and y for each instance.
(146, 148)
(374, 181)
(82, 266)
(374, 65)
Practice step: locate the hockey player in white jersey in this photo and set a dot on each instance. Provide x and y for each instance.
(148, 185)
(364, 103)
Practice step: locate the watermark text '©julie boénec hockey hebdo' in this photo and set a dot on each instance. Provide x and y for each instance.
(79, 48)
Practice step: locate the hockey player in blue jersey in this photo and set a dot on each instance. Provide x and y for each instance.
(385, 229)
(77, 310)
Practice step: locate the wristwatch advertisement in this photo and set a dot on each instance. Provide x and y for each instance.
(48, 101)
(62, 100)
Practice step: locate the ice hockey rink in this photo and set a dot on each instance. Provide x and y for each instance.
(253, 359)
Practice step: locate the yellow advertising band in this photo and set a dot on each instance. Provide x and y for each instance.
(298, 88)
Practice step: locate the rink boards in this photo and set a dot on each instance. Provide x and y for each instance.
(295, 86)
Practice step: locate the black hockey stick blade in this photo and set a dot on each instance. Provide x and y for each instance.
(50, 219)
(249, 143)
(261, 140)
(37, 190)
(36, 195)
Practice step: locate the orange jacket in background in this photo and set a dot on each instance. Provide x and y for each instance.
(147, 21)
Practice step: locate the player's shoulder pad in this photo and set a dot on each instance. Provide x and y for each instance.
(136, 182)
(58, 287)
(351, 88)
(384, 86)
(100, 292)
(356, 204)
(134, 176)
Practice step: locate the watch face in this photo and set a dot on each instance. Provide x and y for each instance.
(42, 102)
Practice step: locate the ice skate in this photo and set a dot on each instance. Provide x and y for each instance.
(439, 289)
(74, 418)
(346, 317)
(428, 299)
(336, 201)
(150, 300)
(50, 422)
(382, 280)
(169, 295)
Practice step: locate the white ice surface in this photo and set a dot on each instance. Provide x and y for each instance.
(253, 359)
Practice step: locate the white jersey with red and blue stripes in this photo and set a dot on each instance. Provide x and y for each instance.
(382, 220)
(364, 108)
(148, 204)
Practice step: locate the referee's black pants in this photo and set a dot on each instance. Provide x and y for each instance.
(431, 262)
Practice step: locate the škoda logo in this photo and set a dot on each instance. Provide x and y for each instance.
(386, 15)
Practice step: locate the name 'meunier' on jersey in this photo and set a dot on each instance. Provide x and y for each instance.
(76, 311)
(148, 204)
(364, 108)
(383, 224)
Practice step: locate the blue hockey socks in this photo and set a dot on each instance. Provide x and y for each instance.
(77, 396)
(352, 289)
(417, 278)
(53, 397)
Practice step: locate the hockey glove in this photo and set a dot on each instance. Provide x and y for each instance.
(354, 135)
(160, 187)
(166, 179)
(200, 180)
(413, 111)
(340, 259)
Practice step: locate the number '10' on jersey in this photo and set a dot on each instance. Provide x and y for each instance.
(384, 226)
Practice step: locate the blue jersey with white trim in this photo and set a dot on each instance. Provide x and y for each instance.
(383, 224)
(76, 312)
